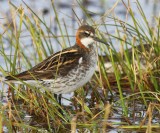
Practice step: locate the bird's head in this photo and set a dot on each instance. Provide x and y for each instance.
(85, 36)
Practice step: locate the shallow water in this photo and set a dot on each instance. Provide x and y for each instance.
(64, 8)
(65, 13)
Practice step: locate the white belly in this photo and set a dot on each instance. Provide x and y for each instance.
(73, 83)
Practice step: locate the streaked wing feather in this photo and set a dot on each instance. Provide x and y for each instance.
(57, 64)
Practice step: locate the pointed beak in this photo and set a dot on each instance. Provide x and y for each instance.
(99, 40)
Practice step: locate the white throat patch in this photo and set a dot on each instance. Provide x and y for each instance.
(87, 41)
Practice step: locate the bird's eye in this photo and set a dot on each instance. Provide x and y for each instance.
(86, 33)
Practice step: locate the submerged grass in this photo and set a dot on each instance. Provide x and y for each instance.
(132, 87)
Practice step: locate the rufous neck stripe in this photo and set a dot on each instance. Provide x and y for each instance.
(79, 43)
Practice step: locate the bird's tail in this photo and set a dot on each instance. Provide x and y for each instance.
(5, 80)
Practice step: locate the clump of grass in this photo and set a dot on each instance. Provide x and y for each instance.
(127, 87)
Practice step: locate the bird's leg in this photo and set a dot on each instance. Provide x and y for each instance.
(58, 98)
